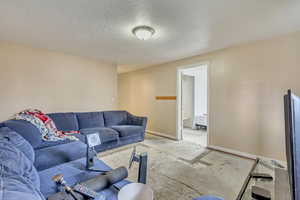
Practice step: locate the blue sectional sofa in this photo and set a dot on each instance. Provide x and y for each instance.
(30, 162)
(115, 128)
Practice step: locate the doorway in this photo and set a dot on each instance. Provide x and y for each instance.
(192, 103)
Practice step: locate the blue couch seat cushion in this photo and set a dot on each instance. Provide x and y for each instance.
(45, 144)
(75, 172)
(65, 121)
(55, 155)
(112, 118)
(90, 119)
(106, 134)
(128, 130)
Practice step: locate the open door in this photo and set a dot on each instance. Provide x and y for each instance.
(192, 112)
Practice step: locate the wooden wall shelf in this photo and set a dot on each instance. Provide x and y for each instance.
(165, 97)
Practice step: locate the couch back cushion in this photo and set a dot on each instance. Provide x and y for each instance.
(27, 130)
(112, 118)
(31, 134)
(65, 121)
(90, 120)
(18, 141)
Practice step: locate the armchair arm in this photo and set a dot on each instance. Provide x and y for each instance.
(136, 120)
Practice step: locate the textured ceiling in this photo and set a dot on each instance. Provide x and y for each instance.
(102, 28)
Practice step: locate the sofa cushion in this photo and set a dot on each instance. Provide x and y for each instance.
(16, 170)
(112, 118)
(106, 134)
(75, 172)
(45, 144)
(18, 141)
(26, 130)
(65, 121)
(55, 155)
(33, 135)
(17, 187)
(128, 130)
(90, 120)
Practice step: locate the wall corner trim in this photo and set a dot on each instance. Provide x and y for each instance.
(233, 152)
(161, 134)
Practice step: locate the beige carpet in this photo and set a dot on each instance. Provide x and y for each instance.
(185, 173)
(183, 150)
(195, 136)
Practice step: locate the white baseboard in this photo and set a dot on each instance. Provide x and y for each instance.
(161, 134)
(222, 149)
(243, 154)
(234, 152)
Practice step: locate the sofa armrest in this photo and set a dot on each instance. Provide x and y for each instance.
(136, 120)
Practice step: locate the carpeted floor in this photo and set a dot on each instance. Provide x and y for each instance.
(183, 170)
(184, 150)
(195, 136)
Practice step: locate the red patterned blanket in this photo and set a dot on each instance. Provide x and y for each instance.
(46, 125)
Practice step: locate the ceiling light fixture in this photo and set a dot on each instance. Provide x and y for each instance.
(143, 32)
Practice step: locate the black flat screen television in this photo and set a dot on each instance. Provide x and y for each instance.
(292, 134)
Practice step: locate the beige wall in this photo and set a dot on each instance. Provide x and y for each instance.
(246, 87)
(53, 82)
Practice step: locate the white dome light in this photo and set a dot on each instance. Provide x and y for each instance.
(143, 32)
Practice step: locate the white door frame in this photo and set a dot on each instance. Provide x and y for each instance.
(179, 98)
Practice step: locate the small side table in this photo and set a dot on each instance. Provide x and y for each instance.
(135, 191)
